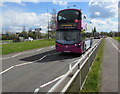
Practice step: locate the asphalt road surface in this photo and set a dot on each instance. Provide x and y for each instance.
(39, 68)
(109, 81)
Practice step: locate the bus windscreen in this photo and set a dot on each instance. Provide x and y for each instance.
(68, 37)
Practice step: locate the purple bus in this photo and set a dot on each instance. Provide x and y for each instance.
(68, 32)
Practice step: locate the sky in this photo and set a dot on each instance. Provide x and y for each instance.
(34, 13)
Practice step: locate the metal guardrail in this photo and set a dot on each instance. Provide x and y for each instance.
(80, 70)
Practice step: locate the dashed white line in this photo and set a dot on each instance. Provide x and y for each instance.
(15, 55)
(115, 46)
(4, 58)
(38, 50)
(27, 52)
(42, 58)
(52, 46)
(24, 64)
(6, 70)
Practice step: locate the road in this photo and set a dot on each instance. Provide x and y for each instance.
(109, 82)
(39, 68)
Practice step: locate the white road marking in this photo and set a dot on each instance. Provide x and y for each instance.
(22, 53)
(6, 70)
(36, 91)
(51, 81)
(42, 58)
(4, 58)
(38, 50)
(52, 46)
(115, 46)
(27, 52)
(24, 64)
(15, 55)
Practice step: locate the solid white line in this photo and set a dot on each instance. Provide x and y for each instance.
(24, 64)
(115, 46)
(51, 81)
(6, 70)
(71, 80)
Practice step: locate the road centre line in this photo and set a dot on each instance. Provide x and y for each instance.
(6, 70)
(114, 46)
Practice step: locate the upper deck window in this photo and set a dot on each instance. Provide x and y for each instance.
(68, 15)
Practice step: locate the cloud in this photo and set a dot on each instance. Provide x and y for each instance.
(100, 9)
(60, 2)
(105, 25)
(17, 20)
(21, 2)
(2, 5)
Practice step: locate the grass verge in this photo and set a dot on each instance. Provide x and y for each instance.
(117, 38)
(92, 83)
(27, 45)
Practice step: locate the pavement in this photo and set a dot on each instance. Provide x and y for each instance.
(35, 69)
(109, 81)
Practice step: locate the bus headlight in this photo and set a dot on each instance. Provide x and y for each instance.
(78, 46)
(75, 44)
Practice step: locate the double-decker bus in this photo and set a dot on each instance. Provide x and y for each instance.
(69, 26)
(96, 35)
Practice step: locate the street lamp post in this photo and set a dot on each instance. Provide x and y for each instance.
(48, 24)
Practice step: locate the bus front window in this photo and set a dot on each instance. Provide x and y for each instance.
(68, 37)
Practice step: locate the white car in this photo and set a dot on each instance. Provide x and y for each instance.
(29, 39)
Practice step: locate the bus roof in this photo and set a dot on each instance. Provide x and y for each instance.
(69, 9)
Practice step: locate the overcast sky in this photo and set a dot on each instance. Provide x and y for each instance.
(33, 13)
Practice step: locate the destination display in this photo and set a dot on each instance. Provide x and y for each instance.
(68, 25)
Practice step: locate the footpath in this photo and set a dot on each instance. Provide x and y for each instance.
(109, 80)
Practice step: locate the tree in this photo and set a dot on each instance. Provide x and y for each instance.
(24, 29)
(53, 20)
(24, 34)
(94, 30)
(30, 30)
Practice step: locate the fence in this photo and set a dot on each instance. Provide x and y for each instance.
(74, 79)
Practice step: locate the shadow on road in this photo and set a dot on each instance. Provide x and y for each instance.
(50, 56)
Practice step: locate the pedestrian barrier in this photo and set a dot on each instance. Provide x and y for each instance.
(74, 79)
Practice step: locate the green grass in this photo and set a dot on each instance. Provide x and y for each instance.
(92, 83)
(27, 45)
(117, 38)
